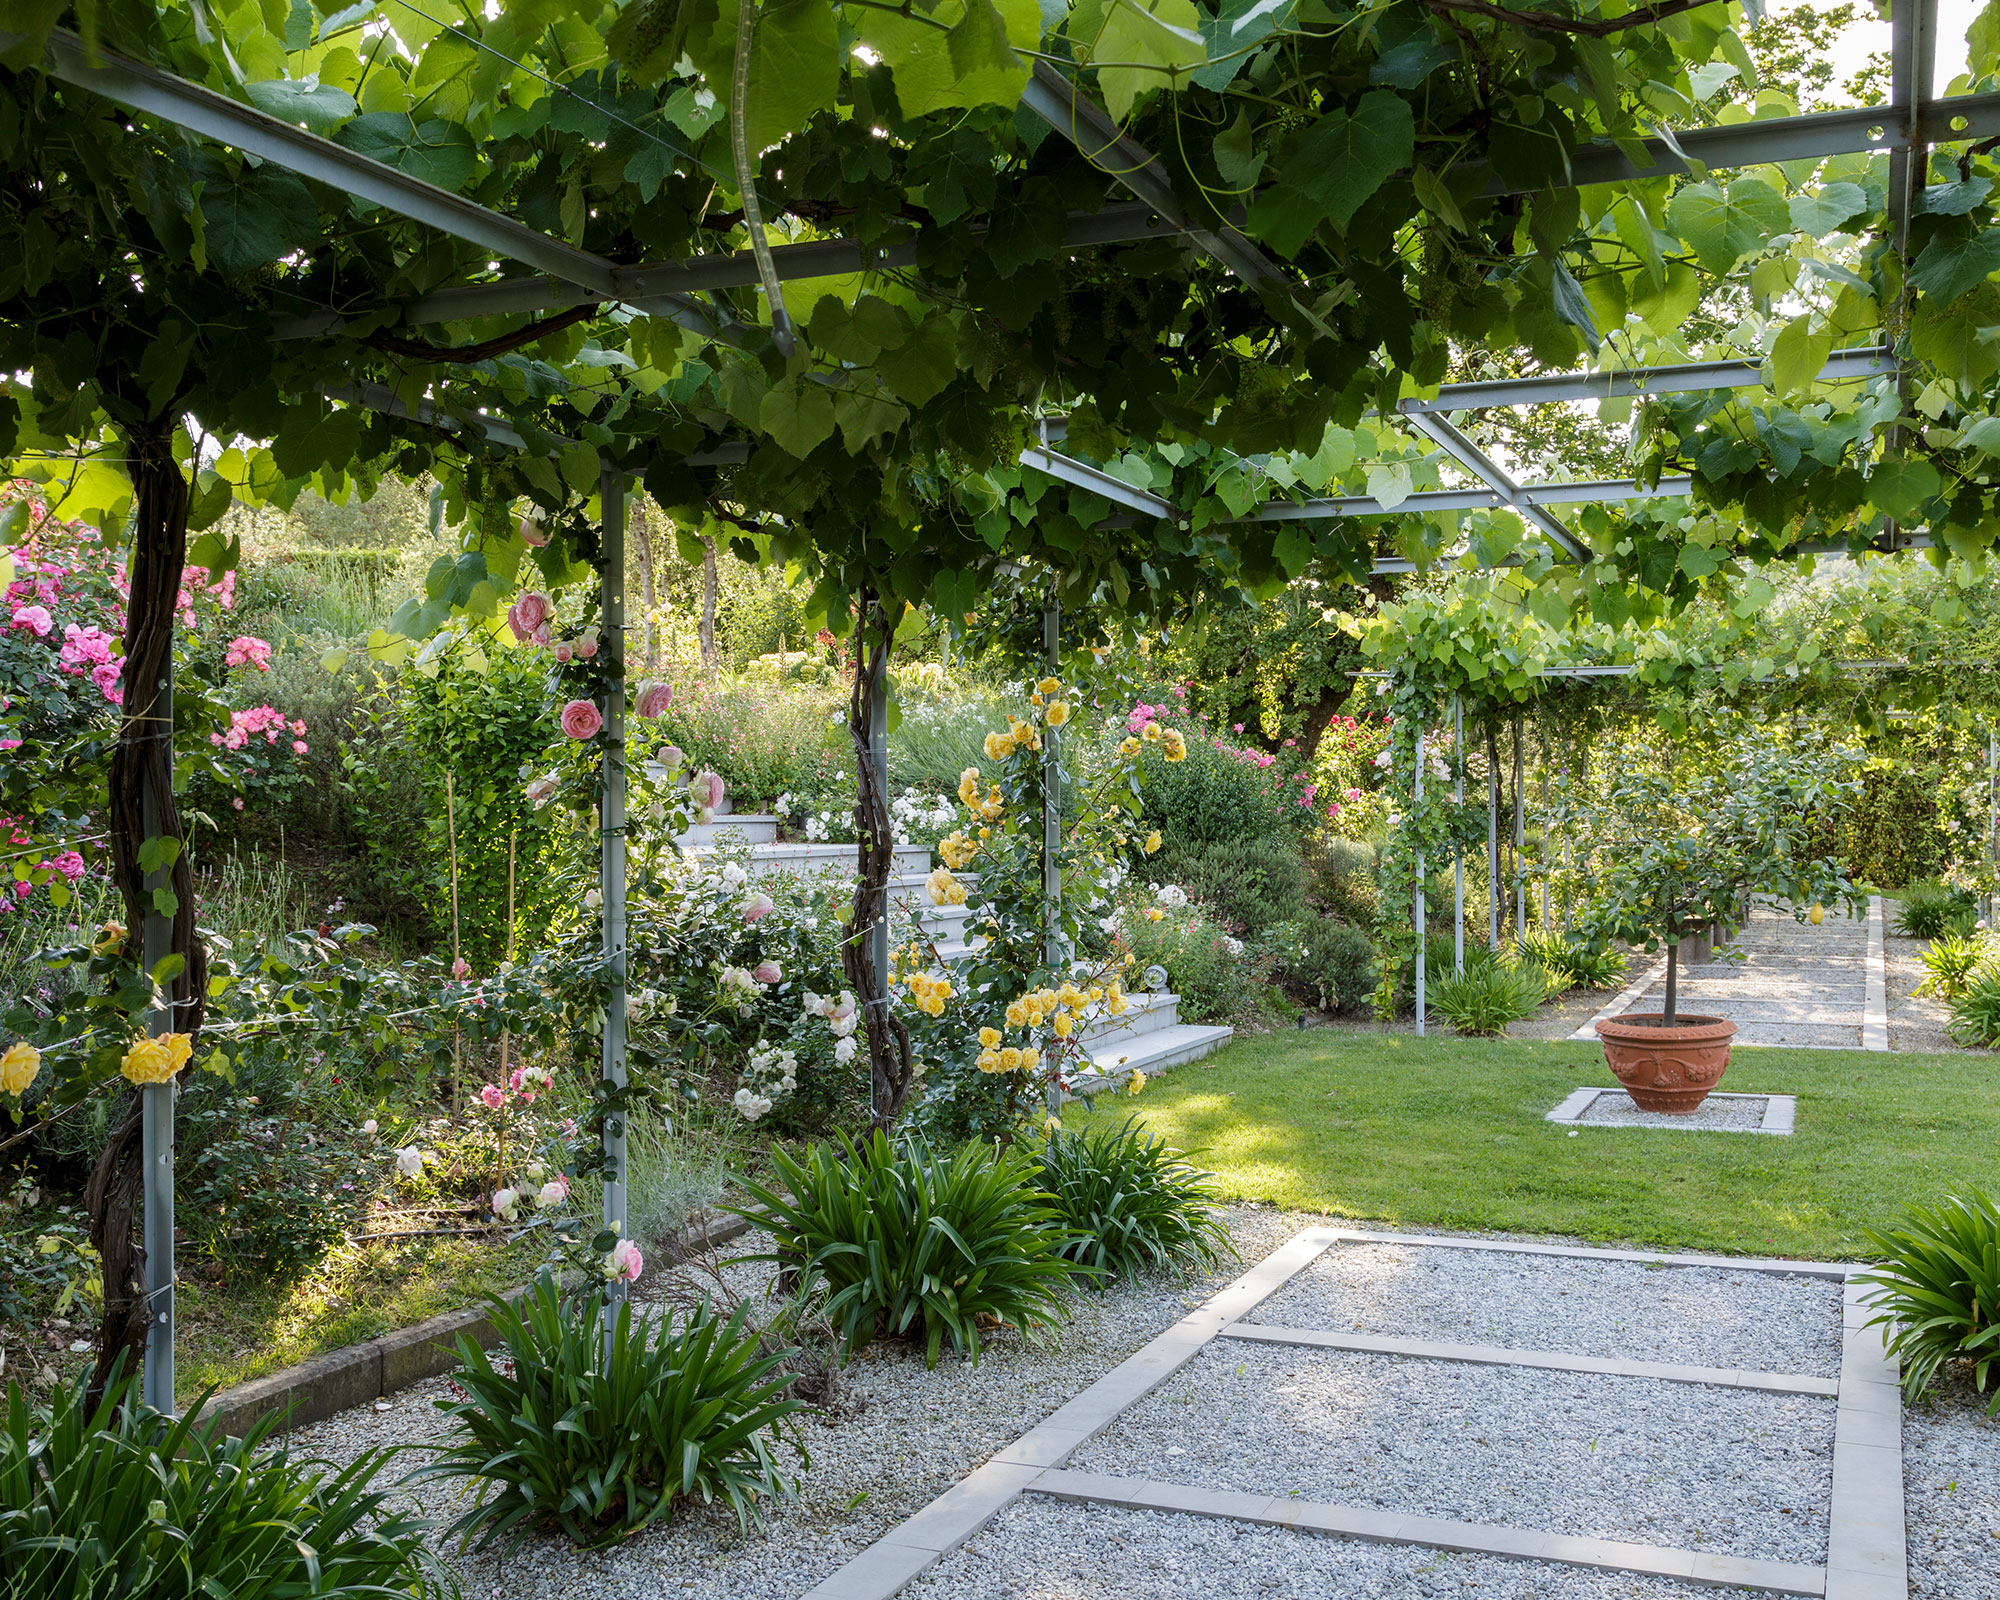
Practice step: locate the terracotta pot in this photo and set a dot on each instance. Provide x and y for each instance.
(1667, 1069)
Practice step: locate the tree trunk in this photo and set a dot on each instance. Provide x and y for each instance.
(639, 540)
(890, 1061)
(1672, 1008)
(709, 655)
(142, 781)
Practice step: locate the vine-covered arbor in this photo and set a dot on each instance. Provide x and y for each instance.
(1170, 302)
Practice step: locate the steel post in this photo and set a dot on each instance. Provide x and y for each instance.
(1052, 937)
(1419, 910)
(611, 854)
(1457, 849)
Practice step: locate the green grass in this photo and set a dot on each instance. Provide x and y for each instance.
(1449, 1133)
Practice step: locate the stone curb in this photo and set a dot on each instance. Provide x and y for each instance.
(339, 1380)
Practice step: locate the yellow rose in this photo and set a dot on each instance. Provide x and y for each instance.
(1010, 1059)
(1049, 686)
(957, 894)
(1152, 733)
(932, 1005)
(989, 1037)
(1017, 1015)
(1128, 748)
(1152, 841)
(1030, 1059)
(1063, 1025)
(18, 1068)
(110, 939)
(1154, 913)
(1174, 745)
(1136, 1082)
(1052, 1125)
(1115, 1005)
(1057, 713)
(999, 746)
(156, 1060)
(988, 1061)
(968, 787)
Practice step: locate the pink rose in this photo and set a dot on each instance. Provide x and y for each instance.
(563, 653)
(581, 719)
(669, 756)
(707, 787)
(654, 698)
(237, 802)
(298, 747)
(767, 972)
(757, 908)
(625, 1261)
(533, 534)
(246, 651)
(527, 615)
(105, 675)
(460, 967)
(35, 619)
(541, 791)
(586, 647)
(493, 1095)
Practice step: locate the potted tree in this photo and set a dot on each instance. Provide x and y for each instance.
(1676, 842)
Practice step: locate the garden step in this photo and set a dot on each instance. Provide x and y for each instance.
(911, 860)
(1144, 1013)
(747, 828)
(1117, 1056)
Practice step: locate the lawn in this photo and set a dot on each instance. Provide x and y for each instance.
(1449, 1133)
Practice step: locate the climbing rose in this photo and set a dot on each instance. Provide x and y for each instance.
(756, 909)
(460, 967)
(581, 719)
(624, 1262)
(541, 791)
(654, 698)
(35, 619)
(527, 615)
(708, 789)
(533, 534)
(553, 1193)
(18, 1068)
(157, 1060)
(767, 972)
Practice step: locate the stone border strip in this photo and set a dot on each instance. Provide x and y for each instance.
(1834, 1270)
(1781, 1112)
(352, 1376)
(1627, 998)
(916, 1544)
(1867, 1551)
(1391, 1527)
(1875, 1004)
(1546, 1360)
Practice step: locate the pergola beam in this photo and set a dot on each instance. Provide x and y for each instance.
(1489, 472)
(1527, 498)
(1680, 378)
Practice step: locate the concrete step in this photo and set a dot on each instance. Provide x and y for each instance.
(912, 861)
(1117, 1056)
(748, 828)
(1144, 1013)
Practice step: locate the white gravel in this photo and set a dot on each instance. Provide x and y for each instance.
(1951, 1492)
(914, 1434)
(1724, 1114)
(1698, 1316)
(1047, 1550)
(1682, 1465)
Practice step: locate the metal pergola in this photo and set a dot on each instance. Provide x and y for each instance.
(562, 275)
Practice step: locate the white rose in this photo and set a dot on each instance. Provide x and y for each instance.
(409, 1161)
(844, 1048)
(593, 900)
(733, 875)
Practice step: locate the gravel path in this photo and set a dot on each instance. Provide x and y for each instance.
(1612, 1458)
(1951, 1489)
(1916, 1022)
(1046, 1550)
(1717, 1114)
(1698, 1316)
(908, 1436)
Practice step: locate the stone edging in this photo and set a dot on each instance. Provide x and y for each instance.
(1781, 1113)
(352, 1376)
(1875, 994)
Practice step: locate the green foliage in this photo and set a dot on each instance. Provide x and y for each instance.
(764, 742)
(938, 739)
(1488, 995)
(602, 1442)
(1218, 794)
(1329, 963)
(1951, 961)
(1939, 1283)
(1573, 963)
(113, 1499)
(1893, 834)
(1252, 881)
(1340, 874)
(1975, 1014)
(1932, 911)
(1218, 977)
(1131, 1203)
(913, 1245)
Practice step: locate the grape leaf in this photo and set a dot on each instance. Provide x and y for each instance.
(1725, 227)
(1344, 158)
(799, 416)
(1154, 43)
(321, 107)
